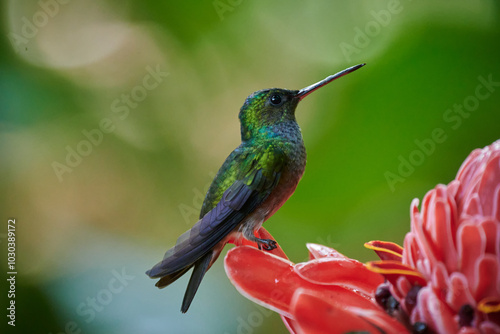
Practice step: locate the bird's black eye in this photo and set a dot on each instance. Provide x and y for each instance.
(275, 99)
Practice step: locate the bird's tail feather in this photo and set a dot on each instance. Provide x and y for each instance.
(169, 279)
(200, 268)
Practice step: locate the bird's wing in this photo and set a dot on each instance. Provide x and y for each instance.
(259, 173)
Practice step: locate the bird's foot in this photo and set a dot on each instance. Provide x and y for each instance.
(266, 244)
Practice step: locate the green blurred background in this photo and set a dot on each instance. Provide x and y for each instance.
(87, 232)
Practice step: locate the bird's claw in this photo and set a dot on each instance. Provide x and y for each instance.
(266, 244)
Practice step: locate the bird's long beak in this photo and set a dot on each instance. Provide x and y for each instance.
(308, 90)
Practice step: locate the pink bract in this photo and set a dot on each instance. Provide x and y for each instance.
(454, 245)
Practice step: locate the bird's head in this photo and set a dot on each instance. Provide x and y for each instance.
(267, 108)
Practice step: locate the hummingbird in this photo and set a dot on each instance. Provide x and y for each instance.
(254, 181)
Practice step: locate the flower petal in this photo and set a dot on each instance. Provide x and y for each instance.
(489, 188)
(443, 228)
(271, 281)
(421, 237)
(432, 311)
(346, 272)
(489, 328)
(317, 251)
(264, 278)
(314, 314)
(491, 229)
(386, 250)
(440, 278)
(411, 252)
(403, 288)
(459, 292)
(469, 167)
(471, 245)
(290, 324)
(486, 277)
(393, 269)
(472, 205)
(435, 234)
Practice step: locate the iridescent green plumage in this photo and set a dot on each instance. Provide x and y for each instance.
(263, 146)
(255, 180)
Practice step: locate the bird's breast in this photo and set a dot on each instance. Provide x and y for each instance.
(290, 177)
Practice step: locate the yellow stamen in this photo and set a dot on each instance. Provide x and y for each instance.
(489, 305)
(375, 268)
(369, 245)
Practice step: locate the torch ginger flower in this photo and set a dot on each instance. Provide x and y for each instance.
(448, 274)
(446, 279)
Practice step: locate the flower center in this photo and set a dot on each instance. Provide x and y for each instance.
(465, 315)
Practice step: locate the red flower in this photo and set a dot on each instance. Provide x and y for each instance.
(328, 294)
(446, 279)
(448, 274)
